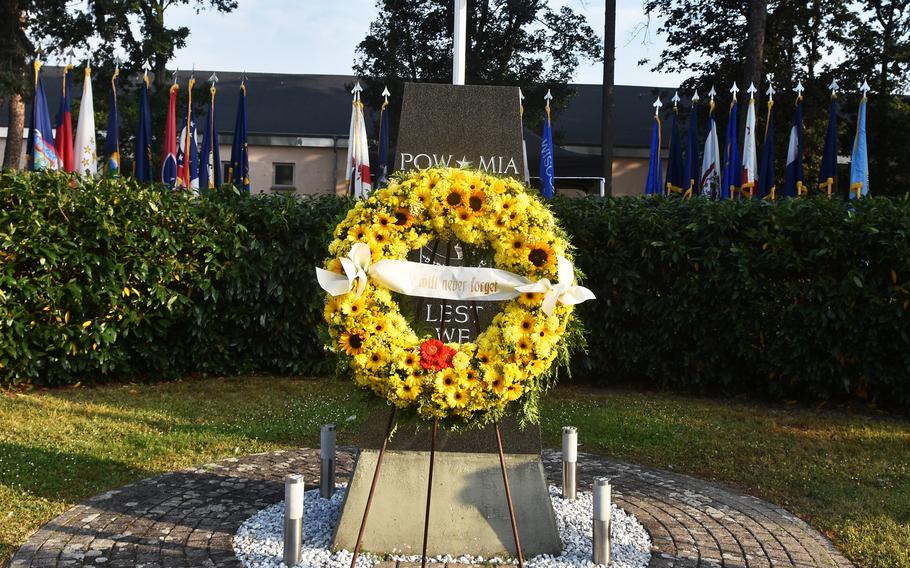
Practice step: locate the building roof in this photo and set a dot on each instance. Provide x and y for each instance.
(319, 106)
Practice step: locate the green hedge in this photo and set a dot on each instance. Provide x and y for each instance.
(804, 298)
(115, 280)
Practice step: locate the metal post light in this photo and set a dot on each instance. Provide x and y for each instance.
(602, 506)
(293, 519)
(569, 460)
(327, 461)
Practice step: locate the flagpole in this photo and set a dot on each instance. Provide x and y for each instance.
(459, 42)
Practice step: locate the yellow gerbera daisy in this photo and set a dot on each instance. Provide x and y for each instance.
(376, 359)
(409, 389)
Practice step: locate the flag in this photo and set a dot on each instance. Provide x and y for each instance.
(827, 174)
(690, 171)
(40, 153)
(63, 140)
(767, 177)
(732, 173)
(239, 170)
(546, 156)
(675, 167)
(169, 152)
(85, 153)
(384, 139)
(794, 178)
(709, 181)
(112, 140)
(358, 162)
(750, 160)
(142, 158)
(654, 185)
(188, 150)
(210, 161)
(859, 162)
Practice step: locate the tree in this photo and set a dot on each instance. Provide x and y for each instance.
(26, 28)
(151, 40)
(880, 52)
(527, 44)
(722, 41)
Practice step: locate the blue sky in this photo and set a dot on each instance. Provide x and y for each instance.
(319, 36)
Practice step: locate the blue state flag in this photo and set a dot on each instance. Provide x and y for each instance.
(142, 156)
(654, 185)
(767, 177)
(384, 143)
(732, 166)
(547, 178)
(859, 163)
(675, 167)
(690, 171)
(794, 177)
(827, 174)
(40, 151)
(240, 158)
(210, 160)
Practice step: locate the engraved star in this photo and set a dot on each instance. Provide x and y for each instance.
(463, 162)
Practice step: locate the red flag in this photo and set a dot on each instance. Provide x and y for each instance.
(63, 141)
(169, 154)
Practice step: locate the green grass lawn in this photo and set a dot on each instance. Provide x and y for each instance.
(848, 475)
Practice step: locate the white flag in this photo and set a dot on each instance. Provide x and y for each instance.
(85, 154)
(358, 163)
(750, 161)
(710, 163)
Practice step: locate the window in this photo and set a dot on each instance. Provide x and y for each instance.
(226, 172)
(282, 175)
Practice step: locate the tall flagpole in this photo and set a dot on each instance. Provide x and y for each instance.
(459, 41)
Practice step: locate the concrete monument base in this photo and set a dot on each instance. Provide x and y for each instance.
(469, 512)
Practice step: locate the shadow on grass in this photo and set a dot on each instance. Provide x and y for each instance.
(59, 475)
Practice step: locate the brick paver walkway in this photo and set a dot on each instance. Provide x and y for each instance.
(187, 518)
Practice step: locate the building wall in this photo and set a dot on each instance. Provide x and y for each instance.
(321, 170)
(316, 170)
(629, 176)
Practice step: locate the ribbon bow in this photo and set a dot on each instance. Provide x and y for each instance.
(356, 267)
(566, 292)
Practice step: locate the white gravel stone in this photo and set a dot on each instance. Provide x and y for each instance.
(258, 542)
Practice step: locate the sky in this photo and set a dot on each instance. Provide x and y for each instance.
(320, 36)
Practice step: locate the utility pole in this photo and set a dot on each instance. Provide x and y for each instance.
(606, 144)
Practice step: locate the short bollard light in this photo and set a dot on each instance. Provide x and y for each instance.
(293, 519)
(569, 460)
(327, 461)
(602, 506)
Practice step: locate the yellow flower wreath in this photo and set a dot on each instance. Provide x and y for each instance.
(469, 383)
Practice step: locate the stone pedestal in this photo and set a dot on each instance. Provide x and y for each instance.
(469, 513)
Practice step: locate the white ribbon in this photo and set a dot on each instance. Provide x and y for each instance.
(463, 283)
(356, 267)
(566, 292)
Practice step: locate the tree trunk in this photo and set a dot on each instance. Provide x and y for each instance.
(755, 44)
(13, 153)
(606, 131)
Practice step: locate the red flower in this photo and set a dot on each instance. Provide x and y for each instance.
(436, 355)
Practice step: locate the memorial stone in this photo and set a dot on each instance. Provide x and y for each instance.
(452, 126)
